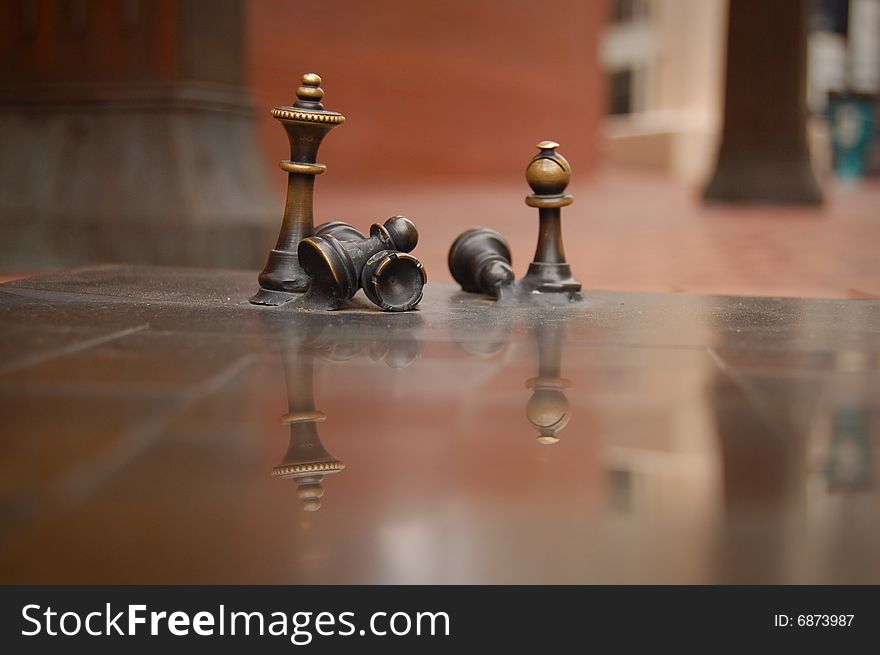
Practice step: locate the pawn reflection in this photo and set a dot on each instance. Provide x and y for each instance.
(548, 410)
(307, 461)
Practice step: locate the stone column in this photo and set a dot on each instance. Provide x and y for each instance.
(128, 135)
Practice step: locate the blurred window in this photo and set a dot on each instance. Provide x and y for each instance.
(620, 92)
(623, 11)
(830, 16)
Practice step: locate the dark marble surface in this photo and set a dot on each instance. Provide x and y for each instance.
(634, 438)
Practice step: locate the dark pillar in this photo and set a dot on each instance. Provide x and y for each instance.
(763, 155)
(128, 135)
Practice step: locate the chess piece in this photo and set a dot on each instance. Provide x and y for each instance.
(390, 278)
(306, 460)
(479, 261)
(548, 174)
(311, 337)
(306, 123)
(548, 410)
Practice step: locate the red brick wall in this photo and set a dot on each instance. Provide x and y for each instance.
(451, 89)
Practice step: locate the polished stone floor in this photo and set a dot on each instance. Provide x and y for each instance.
(158, 428)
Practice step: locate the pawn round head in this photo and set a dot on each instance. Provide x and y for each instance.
(401, 231)
(549, 172)
(549, 411)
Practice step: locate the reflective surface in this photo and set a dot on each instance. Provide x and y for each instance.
(632, 438)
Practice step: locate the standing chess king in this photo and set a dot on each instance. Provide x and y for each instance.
(306, 123)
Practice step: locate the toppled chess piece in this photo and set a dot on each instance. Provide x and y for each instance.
(479, 259)
(379, 264)
(306, 123)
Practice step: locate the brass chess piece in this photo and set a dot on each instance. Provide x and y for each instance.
(306, 123)
(549, 174)
(480, 261)
(379, 264)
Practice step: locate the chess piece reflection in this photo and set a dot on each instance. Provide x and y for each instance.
(307, 461)
(379, 264)
(306, 123)
(399, 349)
(548, 409)
(480, 261)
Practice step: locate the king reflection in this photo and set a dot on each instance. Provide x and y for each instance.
(307, 461)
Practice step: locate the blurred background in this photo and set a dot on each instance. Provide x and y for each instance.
(718, 146)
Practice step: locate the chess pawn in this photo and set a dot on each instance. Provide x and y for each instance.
(390, 278)
(306, 123)
(306, 460)
(548, 174)
(480, 262)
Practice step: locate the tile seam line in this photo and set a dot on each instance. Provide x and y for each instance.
(80, 346)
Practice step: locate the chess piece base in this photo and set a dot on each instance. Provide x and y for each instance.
(550, 278)
(272, 298)
(304, 301)
(525, 291)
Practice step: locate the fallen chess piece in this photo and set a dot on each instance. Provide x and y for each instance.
(480, 260)
(338, 259)
(379, 264)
